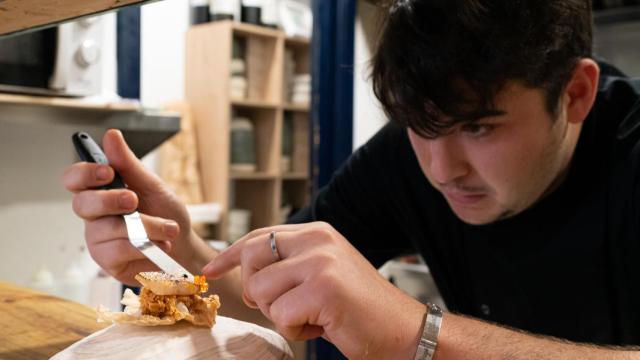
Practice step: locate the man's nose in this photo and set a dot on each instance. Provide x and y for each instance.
(446, 160)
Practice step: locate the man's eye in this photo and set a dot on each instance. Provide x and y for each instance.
(477, 130)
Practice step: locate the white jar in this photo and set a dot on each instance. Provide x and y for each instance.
(224, 10)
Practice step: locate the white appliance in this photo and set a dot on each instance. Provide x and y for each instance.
(78, 67)
(62, 61)
(225, 9)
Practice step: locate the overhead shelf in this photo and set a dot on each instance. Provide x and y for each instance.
(64, 102)
(144, 129)
(18, 16)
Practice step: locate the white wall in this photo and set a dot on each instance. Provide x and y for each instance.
(109, 56)
(37, 222)
(162, 56)
(163, 30)
(368, 117)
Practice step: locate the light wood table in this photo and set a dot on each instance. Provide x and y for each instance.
(35, 325)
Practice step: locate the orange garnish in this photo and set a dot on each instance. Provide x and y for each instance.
(202, 282)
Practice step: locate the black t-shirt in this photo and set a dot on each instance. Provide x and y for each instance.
(568, 267)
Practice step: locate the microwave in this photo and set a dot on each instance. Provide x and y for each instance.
(65, 60)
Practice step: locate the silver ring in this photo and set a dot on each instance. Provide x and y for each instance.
(274, 247)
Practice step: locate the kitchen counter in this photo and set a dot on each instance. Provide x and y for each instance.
(35, 325)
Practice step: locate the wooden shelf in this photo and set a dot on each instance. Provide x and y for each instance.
(62, 102)
(22, 15)
(255, 104)
(298, 41)
(144, 129)
(244, 29)
(295, 176)
(266, 192)
(296, 107)
(252, 176)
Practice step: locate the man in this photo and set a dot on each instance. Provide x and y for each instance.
(510, 164)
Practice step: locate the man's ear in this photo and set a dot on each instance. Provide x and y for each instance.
(580, 92)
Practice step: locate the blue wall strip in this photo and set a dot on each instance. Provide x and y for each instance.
(332, 69)
(332, 58)
(128, 52)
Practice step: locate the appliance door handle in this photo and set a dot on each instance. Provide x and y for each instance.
(64, 53)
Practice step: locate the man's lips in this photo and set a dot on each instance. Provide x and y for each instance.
(463, 197)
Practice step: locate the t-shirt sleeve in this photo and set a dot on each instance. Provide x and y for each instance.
(358, 200)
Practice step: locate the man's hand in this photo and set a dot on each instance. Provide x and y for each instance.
(165, 218)
(323, 287)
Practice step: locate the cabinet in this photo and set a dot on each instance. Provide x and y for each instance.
(276, 182)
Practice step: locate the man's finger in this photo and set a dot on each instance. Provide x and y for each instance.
(295, 314)
(267, 230)
(133, 172)
(265, 286)
(224, 262)
(116, 253)
(93, 204)
(231, 257)
(113, 227)
(83, 176)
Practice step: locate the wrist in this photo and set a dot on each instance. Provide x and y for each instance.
(405, 334)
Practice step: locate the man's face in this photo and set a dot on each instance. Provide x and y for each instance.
(499, 166)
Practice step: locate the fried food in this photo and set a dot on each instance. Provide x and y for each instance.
(164, 300)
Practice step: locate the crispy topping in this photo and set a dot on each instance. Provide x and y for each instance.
(201, 281)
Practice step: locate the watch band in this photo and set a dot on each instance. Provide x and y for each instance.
(430, 331)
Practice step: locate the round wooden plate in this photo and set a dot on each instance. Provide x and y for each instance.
(228, 339)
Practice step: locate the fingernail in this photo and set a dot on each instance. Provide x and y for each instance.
(103, 172)
(207, 269)
(248, 301)
(171, 229)
(126, 202)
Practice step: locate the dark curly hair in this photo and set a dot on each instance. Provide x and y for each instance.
(442, 62)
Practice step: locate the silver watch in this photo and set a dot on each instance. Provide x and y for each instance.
(430, 331)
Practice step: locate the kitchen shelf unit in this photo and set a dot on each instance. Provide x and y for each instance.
(208, 76)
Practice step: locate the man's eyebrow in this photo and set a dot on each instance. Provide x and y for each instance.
(479, 115)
